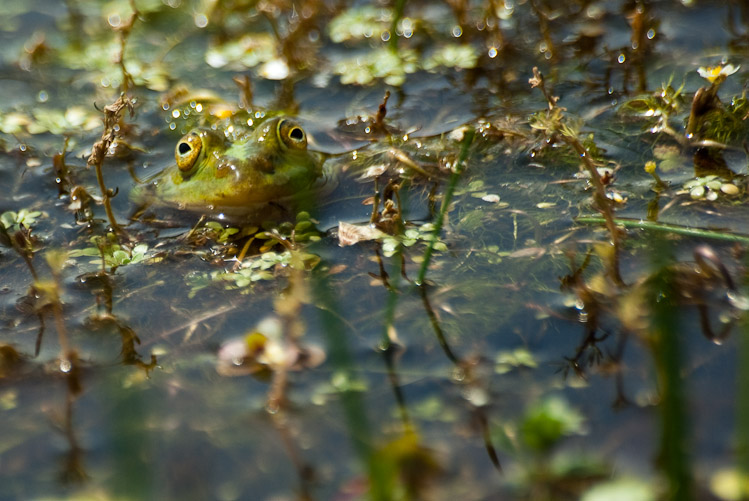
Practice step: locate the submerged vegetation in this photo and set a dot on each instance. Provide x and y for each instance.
(518, 203)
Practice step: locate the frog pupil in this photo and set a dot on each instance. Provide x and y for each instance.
(184, 148)
(296, 134)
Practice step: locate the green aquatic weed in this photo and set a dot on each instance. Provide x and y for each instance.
(241, 53)
(254, 269)
(55, 121)
(517, 358)
(108, 251)
(12, 221)
(359, 23)
(459, 56)
(410, 237)
(548, 422)
(218, 232)
(709, 188)
(382, 63)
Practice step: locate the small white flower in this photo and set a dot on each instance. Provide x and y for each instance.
(712, 73)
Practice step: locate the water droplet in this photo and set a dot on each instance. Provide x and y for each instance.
(201, 21)
(457, 31)
(42, 97)
(65, 365)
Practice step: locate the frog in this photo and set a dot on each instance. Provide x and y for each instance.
(271, 165)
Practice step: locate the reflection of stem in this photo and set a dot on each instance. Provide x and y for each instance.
(277, 391)
(479, 411)
(543, 25)
(390, 353)
(68, 357)
(668, 228)
(486, 435)
(40, 334)
(304, 470)
(437, 328)
(74, 470)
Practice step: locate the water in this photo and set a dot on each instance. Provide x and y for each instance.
(507, 375)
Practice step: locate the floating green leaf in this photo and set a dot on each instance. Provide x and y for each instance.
(382, 63)
(359, 23)
(549, 421)
(12, 221)
(459, 56)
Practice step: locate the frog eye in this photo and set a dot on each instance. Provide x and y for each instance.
(187, 152)
(292, 134)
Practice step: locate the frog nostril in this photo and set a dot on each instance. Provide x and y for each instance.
(184, 148)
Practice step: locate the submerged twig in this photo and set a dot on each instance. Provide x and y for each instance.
(602, 203)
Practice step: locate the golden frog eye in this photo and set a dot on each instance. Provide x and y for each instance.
(292, 135)
(187, 151)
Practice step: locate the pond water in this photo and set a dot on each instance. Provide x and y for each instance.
(541, 299)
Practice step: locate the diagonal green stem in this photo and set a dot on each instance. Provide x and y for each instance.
(446, 199)
(667, 228)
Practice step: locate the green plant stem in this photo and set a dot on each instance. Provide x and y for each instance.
(667, 345)
(742, 408)
(381, 477)
(667, 228)
(105, 197)
(397, 15)
(446, 199)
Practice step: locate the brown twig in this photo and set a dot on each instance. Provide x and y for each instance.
(124, 34)
(112, 114)
(382, 110)
(602, 203)
(245, 91)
